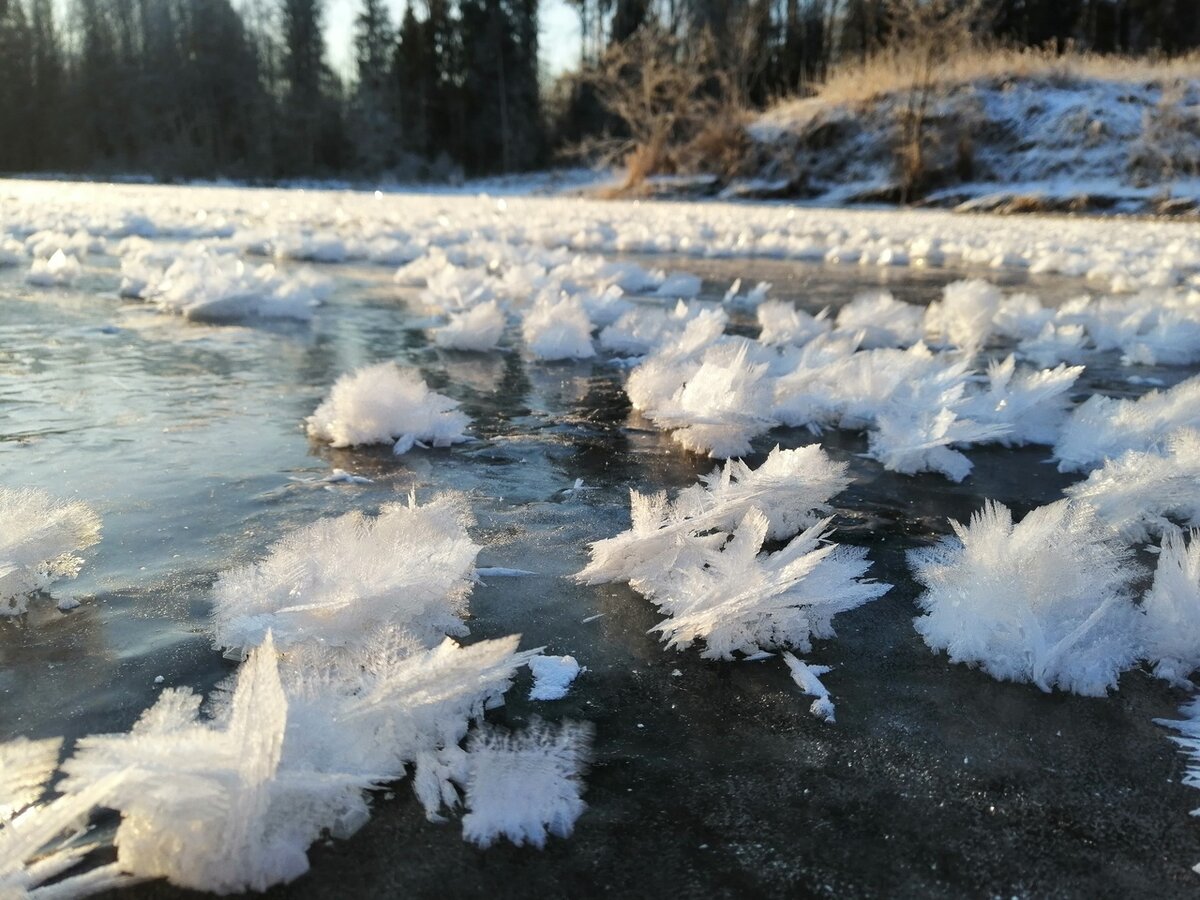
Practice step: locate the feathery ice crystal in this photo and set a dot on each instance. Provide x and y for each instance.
(1171, 628)
(336, 578)
(739, 601)
(1046, 600)
(1103, 428)
(792, 489)
(525, 785)
(384, 403)
(39, 543)
(1140, 492)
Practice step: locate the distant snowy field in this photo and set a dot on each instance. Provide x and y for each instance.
(362, 658)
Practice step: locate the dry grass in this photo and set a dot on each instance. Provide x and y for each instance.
(892, 71)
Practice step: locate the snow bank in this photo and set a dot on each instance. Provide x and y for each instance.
(40, 543)
(384, 404)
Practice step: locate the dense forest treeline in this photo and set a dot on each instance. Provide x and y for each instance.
(210, 88)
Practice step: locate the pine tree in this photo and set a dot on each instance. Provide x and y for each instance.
(374, 126)
(302, 65)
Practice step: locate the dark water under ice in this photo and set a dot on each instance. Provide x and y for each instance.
(936, 780)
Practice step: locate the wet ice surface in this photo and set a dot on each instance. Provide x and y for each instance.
(715, 781)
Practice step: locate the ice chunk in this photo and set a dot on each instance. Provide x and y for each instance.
(552, 676)
(384, 403)
(59, 269)
(1046, 600)
(338, 579)
(526, 785)
(40, 543)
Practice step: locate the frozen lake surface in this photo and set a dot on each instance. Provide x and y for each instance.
(708, 778)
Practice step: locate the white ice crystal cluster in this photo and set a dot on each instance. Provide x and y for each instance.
(349, 682)
(40, 542)
(209, 286)
(342, 578)
(1171, 623)
(58, 270)
(39, 842)
(699, 558)
(1141, 492)
(791, 488)
(872, 369)
(387, 404)
(1046, 600)
(560, 299)
(1103, 428)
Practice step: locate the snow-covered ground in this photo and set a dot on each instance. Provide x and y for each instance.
(352, 677)
(1100, 144)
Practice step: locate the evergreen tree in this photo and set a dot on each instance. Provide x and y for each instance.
(301, 68)
(374, 130)
(16, 86)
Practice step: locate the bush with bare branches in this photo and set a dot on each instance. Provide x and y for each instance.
(677, 104)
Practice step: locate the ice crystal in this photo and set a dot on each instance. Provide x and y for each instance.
(339, 578)
(1139, 493)
(1046, 600)
(384, 403)
(743, 602)
(527, 785)
(40, 543)
(1171, 629)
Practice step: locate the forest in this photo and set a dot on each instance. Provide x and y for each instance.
(178, 89)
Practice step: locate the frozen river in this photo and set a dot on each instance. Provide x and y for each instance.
(707, 778)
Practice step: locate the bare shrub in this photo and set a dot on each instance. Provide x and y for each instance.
(1169, 146)
(924, 36)
(676, 102)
